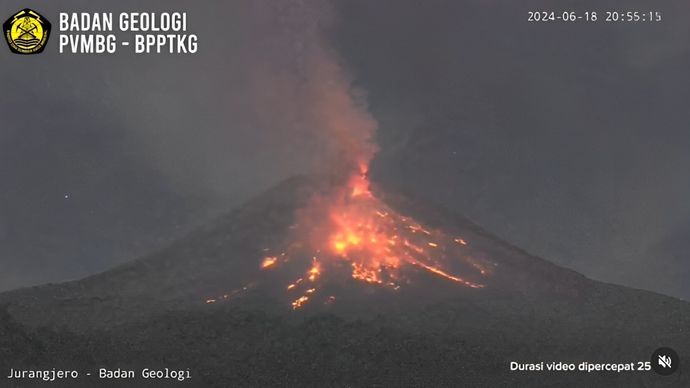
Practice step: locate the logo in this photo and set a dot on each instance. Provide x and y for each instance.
(665, 361)
(26, 32)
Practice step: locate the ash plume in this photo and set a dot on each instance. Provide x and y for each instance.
(311, 94)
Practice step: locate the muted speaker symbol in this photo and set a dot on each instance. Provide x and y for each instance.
(665, 361)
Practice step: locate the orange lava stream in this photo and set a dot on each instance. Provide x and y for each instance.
(268, 261)
(355, 228)
(378, 243)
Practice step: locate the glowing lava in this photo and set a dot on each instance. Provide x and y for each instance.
(356, 229)
(346, 229)
(268, 262)
(350, 230)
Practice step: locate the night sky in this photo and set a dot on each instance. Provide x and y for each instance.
(570, 141)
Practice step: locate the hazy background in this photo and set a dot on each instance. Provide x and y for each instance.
(569, 140)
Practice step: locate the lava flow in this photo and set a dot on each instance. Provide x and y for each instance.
(346, 233)
(358, 230)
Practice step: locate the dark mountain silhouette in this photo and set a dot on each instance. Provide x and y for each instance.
(153, 312)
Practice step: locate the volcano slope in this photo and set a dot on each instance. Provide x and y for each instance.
(218, 302)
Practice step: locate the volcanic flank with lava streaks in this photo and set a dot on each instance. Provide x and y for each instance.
(347, 229)
(378, 245)
(347, 233)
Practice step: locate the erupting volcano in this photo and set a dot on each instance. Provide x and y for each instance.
(346, 230)
(349, 231)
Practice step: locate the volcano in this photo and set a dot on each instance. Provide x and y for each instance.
(374, 251)
(314, 283)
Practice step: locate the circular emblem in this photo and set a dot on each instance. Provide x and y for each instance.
(665, 361)
(26, 32)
